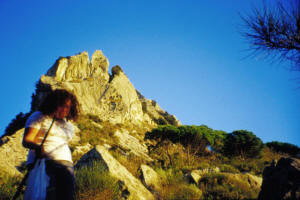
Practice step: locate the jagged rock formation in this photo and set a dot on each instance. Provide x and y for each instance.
(111, 97)
(281, 180)
(135, 187)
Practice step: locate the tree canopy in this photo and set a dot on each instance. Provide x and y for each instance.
(242, 143)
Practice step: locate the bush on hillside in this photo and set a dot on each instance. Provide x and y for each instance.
(242, 143)
(195, 137)
(282, 147)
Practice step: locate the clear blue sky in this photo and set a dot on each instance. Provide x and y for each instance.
(185, 54)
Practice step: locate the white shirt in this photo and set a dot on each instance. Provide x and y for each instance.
(55, 146)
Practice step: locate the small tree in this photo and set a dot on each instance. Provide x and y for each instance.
(242, 143)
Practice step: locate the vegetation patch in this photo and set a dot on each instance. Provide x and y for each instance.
(221, 186)
(95, 131)
(94, 182)
(176, 186)
(8, 187)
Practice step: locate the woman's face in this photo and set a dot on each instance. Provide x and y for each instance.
(63, 111)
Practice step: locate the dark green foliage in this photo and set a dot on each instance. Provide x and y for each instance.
(164, 132)
(195, 137)
(242, 143)
(17, 123)
(282, 147)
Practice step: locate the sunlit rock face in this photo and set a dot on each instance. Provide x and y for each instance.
(12, 154)
(79, 67)
(111, 97)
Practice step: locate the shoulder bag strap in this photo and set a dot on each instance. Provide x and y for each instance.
(47, 133)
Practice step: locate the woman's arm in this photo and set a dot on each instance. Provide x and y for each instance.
(30, 138)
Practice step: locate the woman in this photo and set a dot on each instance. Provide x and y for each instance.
(57, 109)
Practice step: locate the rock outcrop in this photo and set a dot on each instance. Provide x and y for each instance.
(135, 187)
(12, 154)
(112, 97)
(150, 178)
(281, 180)
(132, 144)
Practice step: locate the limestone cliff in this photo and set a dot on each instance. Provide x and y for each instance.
(111, 97)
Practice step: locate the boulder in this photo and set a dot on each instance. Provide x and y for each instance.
(196, 175)
(136, 189)
(281, 180)
(150, 178)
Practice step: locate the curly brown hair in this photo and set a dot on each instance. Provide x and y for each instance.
(58, 98)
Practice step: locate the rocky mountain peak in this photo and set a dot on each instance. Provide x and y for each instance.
(112, 97)
(78, 67)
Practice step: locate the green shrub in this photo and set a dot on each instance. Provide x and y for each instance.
(194, 137)
(282, 147)
(94, 182)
